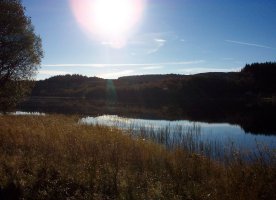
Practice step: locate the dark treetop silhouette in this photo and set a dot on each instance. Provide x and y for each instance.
(246, 97)
(20, 52)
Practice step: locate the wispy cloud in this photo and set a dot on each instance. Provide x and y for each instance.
(150, 43)
(159, 43)
(104, 65)
(76, 65)
(249, 44)
(52, 72)
(197, 70)
(153, 67)
(114, 75)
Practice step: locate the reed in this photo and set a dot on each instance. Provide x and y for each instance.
(55, 157)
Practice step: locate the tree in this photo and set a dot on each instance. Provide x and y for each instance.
(20, 52)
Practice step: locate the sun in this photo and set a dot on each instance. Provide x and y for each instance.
(113, 17)
(109, 20)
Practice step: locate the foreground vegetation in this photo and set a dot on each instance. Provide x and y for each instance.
(54, 157)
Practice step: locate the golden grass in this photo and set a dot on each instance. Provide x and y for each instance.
(54, 157)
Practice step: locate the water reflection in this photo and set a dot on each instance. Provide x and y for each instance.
(194, 136)
(255, 119)
(27, 113)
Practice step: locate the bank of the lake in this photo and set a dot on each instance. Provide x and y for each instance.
(56, 157)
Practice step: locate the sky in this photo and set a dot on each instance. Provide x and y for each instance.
(115, 38)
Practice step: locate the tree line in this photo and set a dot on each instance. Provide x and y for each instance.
(254, 81)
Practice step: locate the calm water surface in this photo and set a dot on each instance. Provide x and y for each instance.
(222, 133)
(27, 113)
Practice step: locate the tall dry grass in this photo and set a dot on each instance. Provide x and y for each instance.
(54, 157)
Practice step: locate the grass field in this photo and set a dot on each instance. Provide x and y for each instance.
(54, 157)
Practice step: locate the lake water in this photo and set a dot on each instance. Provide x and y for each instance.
(212, 133)
(27, 113)
(194, 136)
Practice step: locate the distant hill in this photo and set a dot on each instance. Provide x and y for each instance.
(255, 80)
(247, 98)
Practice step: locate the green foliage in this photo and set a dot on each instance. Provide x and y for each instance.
(53, 157)
(20, 51)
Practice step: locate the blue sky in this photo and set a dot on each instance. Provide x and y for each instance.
(172, 36)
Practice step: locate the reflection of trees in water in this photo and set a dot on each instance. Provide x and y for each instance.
(192, 137)
(254, 118)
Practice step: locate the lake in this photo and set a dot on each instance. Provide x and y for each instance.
(174, 133)
(212, 126)
(255, 119)
(213, 139)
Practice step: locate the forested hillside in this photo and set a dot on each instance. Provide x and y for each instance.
(254, 81)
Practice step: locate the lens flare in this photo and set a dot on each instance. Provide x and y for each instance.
(110, 21)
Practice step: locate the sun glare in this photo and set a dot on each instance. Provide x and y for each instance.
(110, 21)
(113, 17)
